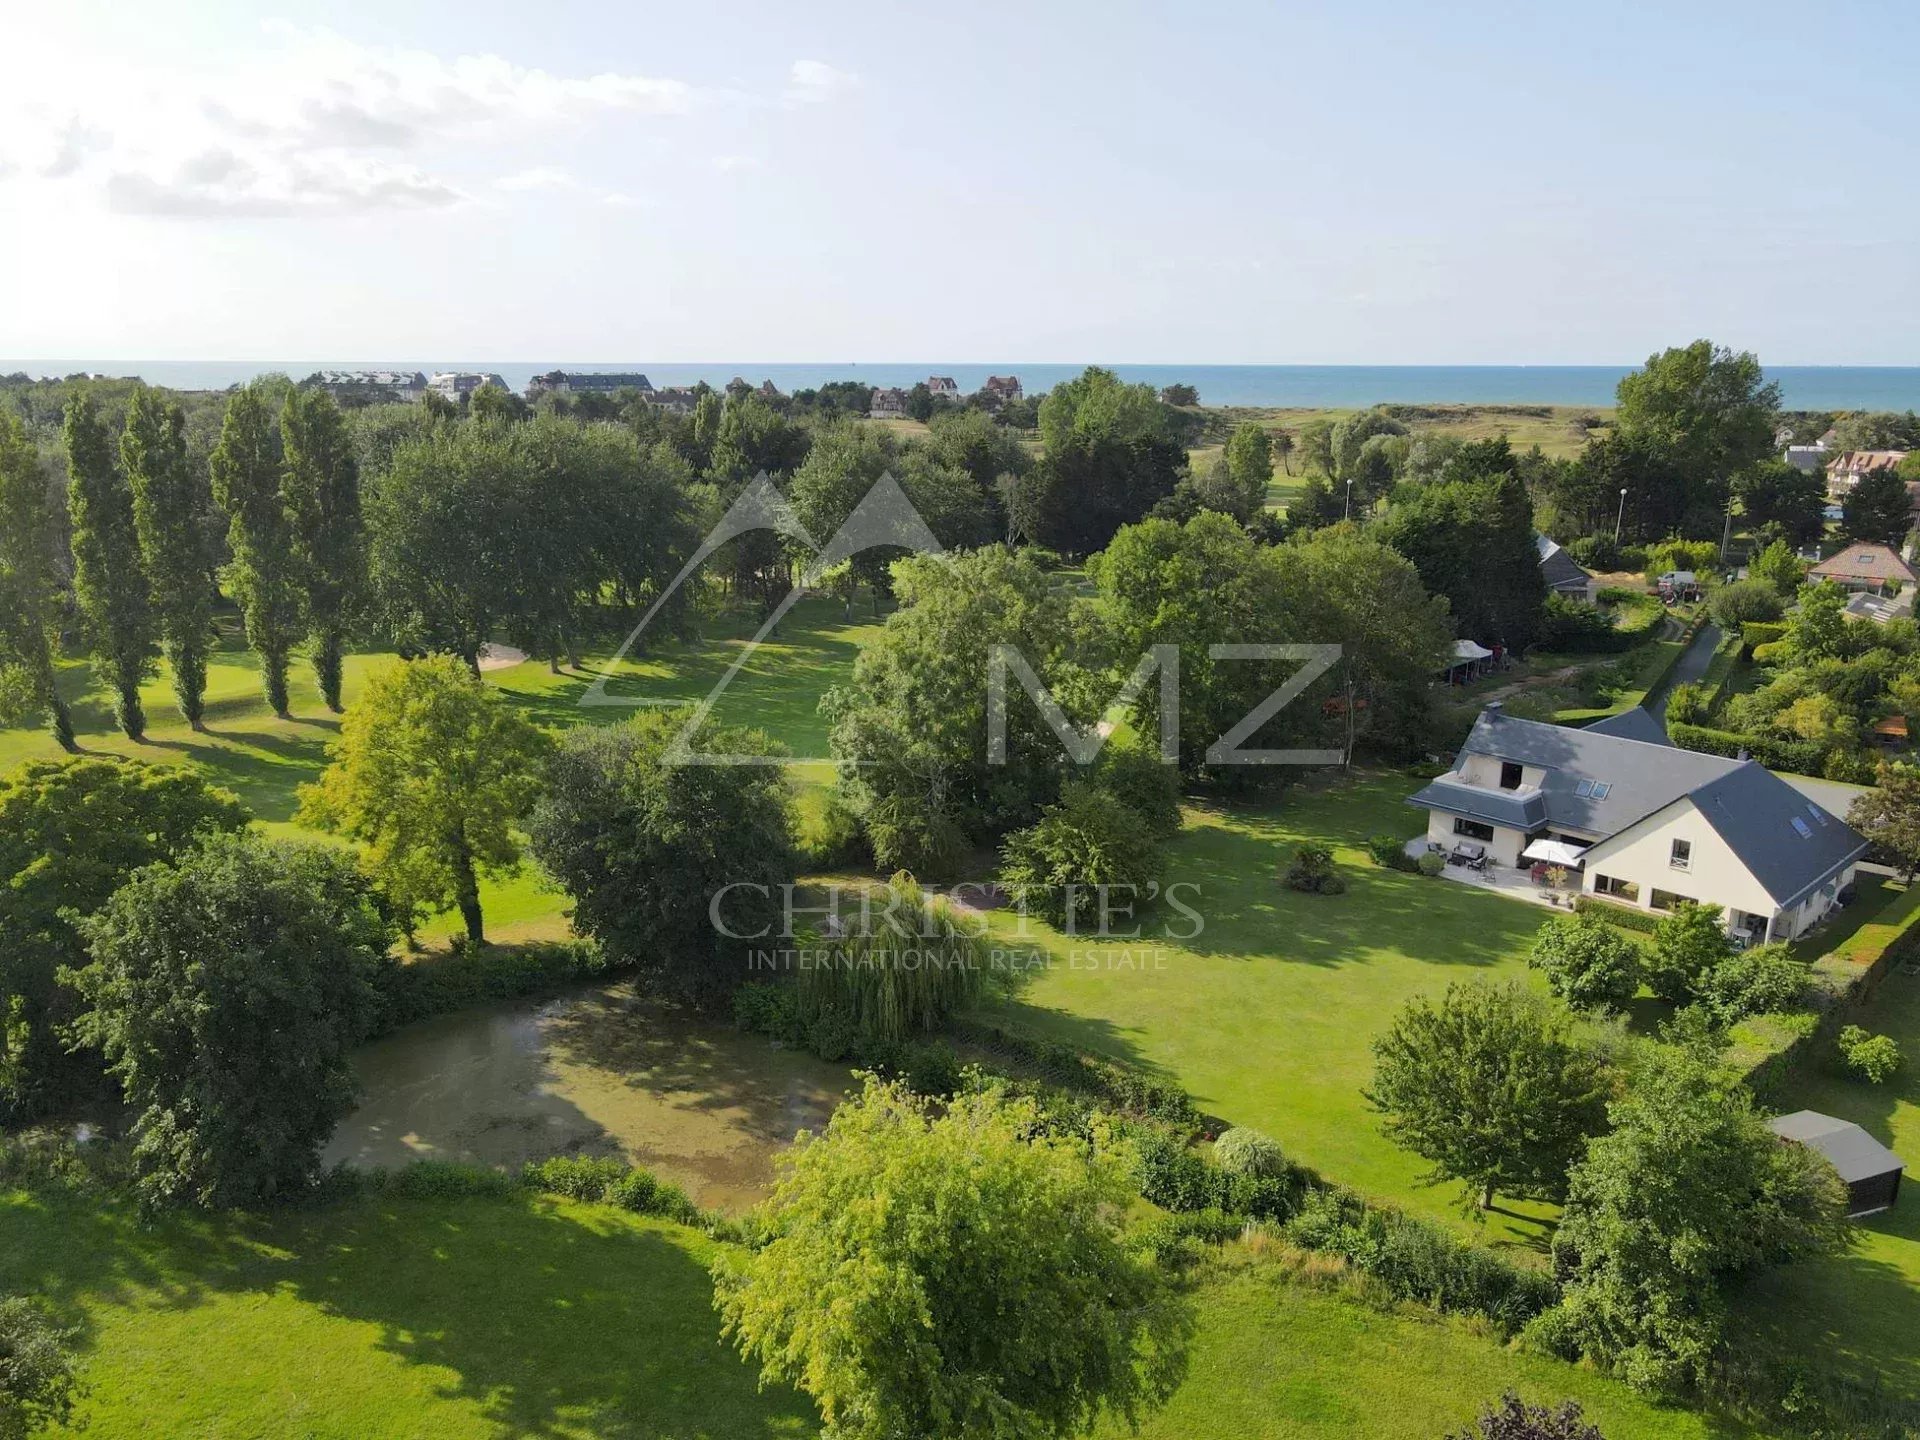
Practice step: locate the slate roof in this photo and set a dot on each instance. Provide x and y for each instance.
(1559, 569)
(1635, 724)
(1753, 810)
(1852, 1151)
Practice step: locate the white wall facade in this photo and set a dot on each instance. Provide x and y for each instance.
(1504, 848)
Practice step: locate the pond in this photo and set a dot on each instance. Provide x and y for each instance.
(603, 1070)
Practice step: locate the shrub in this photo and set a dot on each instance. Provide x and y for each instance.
(1754, 982)
(643, 1193)
(770, 1009)
(835, 839)
(577, 1177)
(1873, 1058)
(831, 1033)
(1745, 602)
(1687, 703)
(1090, 840)
(434, 984)
(445, 1180)
(1577, 628)
(1135, 777)
(1431, 863)
(1515, 1419)
(1756, 633)
(1390, 853)
(1120, 1086)
(1629, 917)
(933, 1070)
(1243, 1151)
(1588, 963)
(1687, 943)
(1311, 871)
(39, 1381)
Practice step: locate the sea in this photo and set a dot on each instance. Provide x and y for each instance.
(1803, 387)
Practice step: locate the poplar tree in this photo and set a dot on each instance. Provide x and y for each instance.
(322, 486)
(169, 502)
(245, 468)
(109, 582)
(29, 587)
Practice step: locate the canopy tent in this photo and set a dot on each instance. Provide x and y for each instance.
(1553, 852)
(1465, 652)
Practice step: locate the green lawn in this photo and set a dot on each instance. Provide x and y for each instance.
(1267, 1016)
(1277, 1360)
(264, 759)
(485, 1317)
(1863, 1310)
(392, 1317)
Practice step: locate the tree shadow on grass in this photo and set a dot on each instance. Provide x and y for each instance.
(551, 1317)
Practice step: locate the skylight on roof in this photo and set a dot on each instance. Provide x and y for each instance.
(1802, 829)
(1592, 789)
(1817, 813)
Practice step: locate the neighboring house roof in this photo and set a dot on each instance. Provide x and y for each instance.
(1604, 781)
(1559, 569)
(1856, 463)
(1865, 562)
(1635, 724)
(1851, 1150)
(1864, 605)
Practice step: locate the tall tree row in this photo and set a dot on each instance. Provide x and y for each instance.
(322, 493)
(29, 585)
(245, 469)
(109, 578)
(169, 501)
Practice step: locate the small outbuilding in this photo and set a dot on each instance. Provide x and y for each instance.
(1870, 1170)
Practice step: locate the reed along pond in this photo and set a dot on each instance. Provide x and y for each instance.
(602, 1070)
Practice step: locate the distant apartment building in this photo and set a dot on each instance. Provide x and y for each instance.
(1848, 470)
(1808, 459)
(888, 404)
(371, 385)
(588, 382)
(457, 385)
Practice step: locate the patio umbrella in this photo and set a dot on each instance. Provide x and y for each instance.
(1553, 852)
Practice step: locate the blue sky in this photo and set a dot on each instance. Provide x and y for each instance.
(1363, 183)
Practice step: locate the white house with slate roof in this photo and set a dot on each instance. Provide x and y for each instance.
(1650, 824)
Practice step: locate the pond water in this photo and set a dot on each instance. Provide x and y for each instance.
(598, 1071)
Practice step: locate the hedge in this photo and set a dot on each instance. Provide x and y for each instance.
(1796, 757)
(1627, 917)
(1756, 633)
(434, 984)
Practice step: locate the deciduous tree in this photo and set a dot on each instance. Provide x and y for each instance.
(245, 468)
(650, 850)
(1490, 1086)
(1877, 509)
(432, 772)
(109, 581)
(30, 590)
(70, 832)
(322, 490)
(170, 505)
(954, 1274)
(1688, 1190)
(227, 989)
(1889, 816)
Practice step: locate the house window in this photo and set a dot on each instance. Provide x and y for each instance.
(1666, 899)
(1615, 886)
(1510, 775)
(1472, 829)
(1681, 856)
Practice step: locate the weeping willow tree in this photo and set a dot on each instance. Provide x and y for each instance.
(908, 962)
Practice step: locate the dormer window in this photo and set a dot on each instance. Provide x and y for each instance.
(1511, 775)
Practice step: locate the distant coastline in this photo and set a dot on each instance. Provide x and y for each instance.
(1805, 387)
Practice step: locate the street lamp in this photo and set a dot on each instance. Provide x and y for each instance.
(1619, 515)
(1346, 511)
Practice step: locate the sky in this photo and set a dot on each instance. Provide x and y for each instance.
(1370, 182)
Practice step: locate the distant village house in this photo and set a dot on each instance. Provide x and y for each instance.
(888, 404)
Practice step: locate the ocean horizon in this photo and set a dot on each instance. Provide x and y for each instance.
(1803, 387)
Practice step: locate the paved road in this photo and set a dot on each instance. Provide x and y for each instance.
(1690, 667)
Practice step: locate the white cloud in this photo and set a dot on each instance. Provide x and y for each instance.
(811, 82)
(314, 124)
(733, 164)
